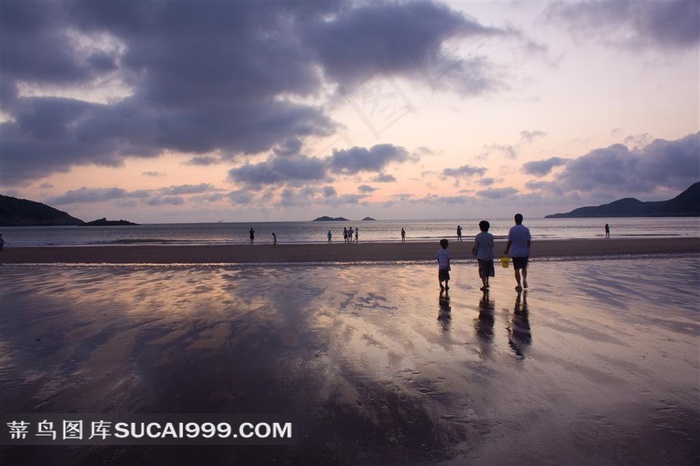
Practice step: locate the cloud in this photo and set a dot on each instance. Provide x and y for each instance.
(667, 25)
(543, 167)
(465, 171)
(497, 193)
(359, 159)
(225, 77)
(278, 170)
(188, 189)
(527, 137)
(85, 195)
(294, 168)
(169, 195)
(506, 149)
(384, 178)
(619, 171)
(366, 189)
(397, 39)
(203, 160)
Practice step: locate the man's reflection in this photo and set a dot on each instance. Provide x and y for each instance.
(519, 335)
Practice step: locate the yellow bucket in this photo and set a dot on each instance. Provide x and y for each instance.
(504, 262)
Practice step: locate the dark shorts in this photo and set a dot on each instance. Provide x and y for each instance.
(486, 268)
(443, 275)
(520, 262)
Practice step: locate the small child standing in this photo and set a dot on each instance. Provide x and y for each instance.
(443, 258)
(483, 251)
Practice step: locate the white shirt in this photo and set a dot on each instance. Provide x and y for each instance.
(519, 235)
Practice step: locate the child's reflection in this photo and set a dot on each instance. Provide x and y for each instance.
(445, 312)
(483, 324)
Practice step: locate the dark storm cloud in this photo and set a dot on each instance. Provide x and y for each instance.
(397, 38)
(669, 24)
(223, 77)
(543, 167)
(620, 170)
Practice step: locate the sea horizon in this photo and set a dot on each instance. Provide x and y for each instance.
(311, 231)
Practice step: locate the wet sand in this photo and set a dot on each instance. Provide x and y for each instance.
(336, 252)
(597, 363)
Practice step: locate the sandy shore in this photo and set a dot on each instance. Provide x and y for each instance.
(338, 252)
(597, 363)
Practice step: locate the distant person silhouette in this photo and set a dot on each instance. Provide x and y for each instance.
(252, 236)
(357, 235)
(403, 235)
(330, 236)
(518, 245)
(2, 243)
(274, 240)
(459, 232)
(607, 230)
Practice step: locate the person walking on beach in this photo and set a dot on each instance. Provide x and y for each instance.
(274, 240)
(345, 235)
(350, 232)
(252, 236)
(357, 235)
(607, 230)
(403, 235)
(459, 232)
(2, 243)
(443, 257)
(483, 251)
(519, 247)
(330, 236)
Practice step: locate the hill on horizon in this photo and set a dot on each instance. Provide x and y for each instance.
(16, 212)
(686, 204)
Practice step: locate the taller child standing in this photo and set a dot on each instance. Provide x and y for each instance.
(483, 251)
(443, 257)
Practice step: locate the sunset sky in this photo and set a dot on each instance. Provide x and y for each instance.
(177, 111)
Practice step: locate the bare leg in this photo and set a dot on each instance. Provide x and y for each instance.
(525, 277)
(517, 280)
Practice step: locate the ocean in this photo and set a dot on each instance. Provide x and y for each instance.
(185, 234)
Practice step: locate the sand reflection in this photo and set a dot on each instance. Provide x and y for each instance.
(376, 370)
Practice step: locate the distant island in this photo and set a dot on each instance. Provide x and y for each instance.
(686, 204)
(16, 212)
(369, 219)
(103, 222)
(331, 219)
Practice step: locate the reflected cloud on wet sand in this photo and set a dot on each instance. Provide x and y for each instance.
(374, 370)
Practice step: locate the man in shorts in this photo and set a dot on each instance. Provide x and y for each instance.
(519, 248)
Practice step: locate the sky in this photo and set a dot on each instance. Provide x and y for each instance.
(201, 111)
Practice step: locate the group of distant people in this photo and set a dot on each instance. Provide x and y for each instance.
(518, 246)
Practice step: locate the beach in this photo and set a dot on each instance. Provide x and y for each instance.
(597, 362)
(335, 252)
